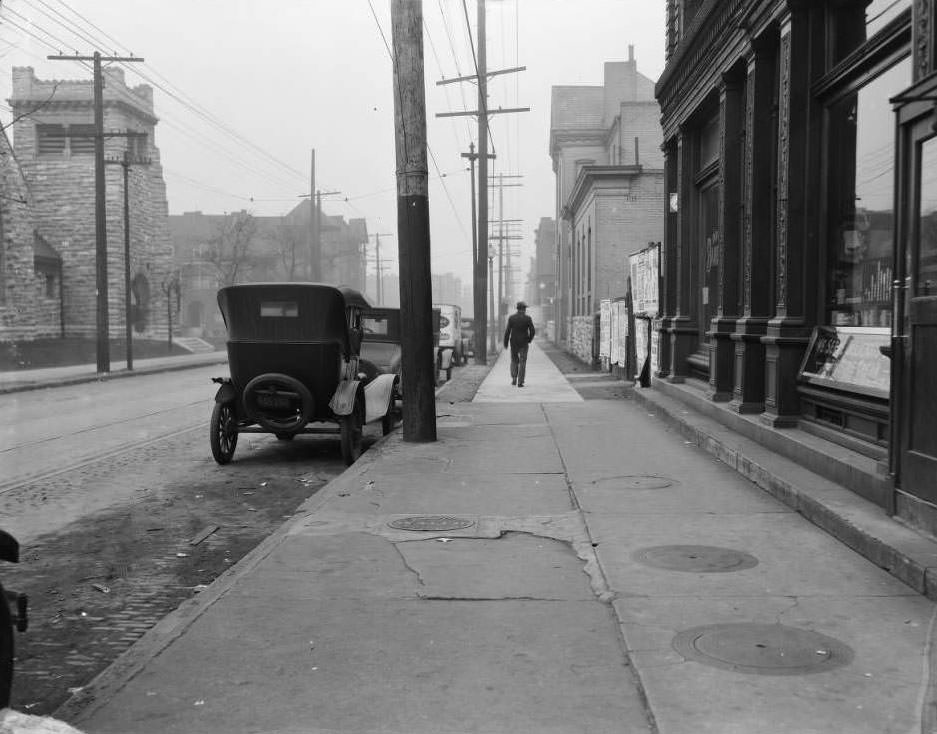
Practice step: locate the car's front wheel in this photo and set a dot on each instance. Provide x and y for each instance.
(352, 429)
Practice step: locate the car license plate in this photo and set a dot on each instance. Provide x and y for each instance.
(276, 402)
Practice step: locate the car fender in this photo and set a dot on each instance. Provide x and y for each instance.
(343, 401)
(378, 397)
(226, 393)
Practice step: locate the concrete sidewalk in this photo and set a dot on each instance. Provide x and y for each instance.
(569, 566)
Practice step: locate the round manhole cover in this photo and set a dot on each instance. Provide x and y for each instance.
(636, 481)
(430, 523)
(695, 558)
(762, 649)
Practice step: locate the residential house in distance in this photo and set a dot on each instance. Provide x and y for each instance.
(605, 145)
(52, 169)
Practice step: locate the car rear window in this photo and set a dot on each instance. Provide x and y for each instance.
(279, 309)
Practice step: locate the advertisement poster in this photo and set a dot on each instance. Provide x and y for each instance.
(622, 307)
(645, 273)
(605, 335)
(640, 344)
(613, 343)
(655, 351)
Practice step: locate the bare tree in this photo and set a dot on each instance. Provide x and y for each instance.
(289, 240)
(230, 248)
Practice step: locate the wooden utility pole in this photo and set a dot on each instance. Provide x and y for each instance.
(478, 251)
(100, 211)
(125, 162)
(379, 266)
(480, 275)
(314, 270)
(416, 294)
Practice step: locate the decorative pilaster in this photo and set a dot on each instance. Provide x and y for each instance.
(731, 134)
(787, 334)
(757, 227)
(682, 331)
(663, 323)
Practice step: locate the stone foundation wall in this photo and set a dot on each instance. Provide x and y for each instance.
(580, 344)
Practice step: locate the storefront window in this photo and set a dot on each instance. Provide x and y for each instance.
(862, 216)
(926, 281)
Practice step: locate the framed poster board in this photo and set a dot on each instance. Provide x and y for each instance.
(644, 267)
(848, 358)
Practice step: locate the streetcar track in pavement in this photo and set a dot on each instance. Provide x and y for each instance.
(22, 481)
(101, 426)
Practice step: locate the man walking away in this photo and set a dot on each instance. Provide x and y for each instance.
(519, 334)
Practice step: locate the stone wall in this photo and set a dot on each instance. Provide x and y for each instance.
(63, 197)
(580, 342)
(26, 310)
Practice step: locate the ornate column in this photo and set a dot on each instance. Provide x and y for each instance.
(748, 394)
(682, 329)
(788, 332)
(663, 323)
(722, 353)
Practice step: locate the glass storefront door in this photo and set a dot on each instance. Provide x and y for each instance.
(916, 327)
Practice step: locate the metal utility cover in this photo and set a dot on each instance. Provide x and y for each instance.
(695, 558)
(762, 649)
(430, 523)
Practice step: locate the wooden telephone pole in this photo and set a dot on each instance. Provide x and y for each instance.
(100, 211)
(416, 293)
(480, 274)
(126, 162)
(379, 266)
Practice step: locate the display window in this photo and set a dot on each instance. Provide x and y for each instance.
(860, 253)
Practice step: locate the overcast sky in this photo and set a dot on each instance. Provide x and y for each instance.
(250, 88)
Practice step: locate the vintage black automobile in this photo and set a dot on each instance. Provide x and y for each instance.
(294, 359)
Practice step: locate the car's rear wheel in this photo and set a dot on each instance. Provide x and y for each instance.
(352, 430)
(224, 433)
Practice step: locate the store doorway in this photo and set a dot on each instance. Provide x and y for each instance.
(914, 329)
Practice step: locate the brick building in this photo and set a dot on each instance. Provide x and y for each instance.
(53, 145)
(605, 145)
(543, 268)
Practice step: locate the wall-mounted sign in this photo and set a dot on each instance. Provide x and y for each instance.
(605, 323)
(848, 358)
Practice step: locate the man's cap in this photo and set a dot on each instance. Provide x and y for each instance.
(521, 305)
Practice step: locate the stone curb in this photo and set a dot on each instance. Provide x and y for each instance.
(861, 525)
(94, 377)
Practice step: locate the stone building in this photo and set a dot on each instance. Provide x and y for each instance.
(30, 269)
(605, 145)
(800, 253)
(53, 141)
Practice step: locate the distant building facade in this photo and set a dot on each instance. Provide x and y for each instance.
(52, 163)
(605, 145)
(543, 268)
(212, 250)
